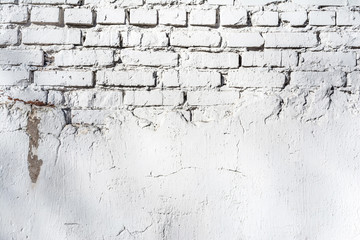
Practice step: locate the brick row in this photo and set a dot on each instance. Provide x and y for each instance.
(229, 16)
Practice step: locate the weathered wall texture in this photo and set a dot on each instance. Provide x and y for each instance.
(179, 119)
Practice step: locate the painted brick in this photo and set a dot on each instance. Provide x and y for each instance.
(47, 36)
(203, 17)
(13, 78)
(64, 78)
(45, 15)
(146, 58)
(84, 58)
(255, 78)
(127, 78)
(21, 57)
(173, 17)
(212, 60)
(183, 38)
(290, 40)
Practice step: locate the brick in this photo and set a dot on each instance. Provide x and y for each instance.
(49, 2)
(173, 17)
(131, 38)
(154, 59)
(68, 58)
(94, 99)
(256, 78)
(91, 117)
(212, 60)
(21, 57)
(266, 18)
(269, 58)
(221, 2)
(47, 36)
(338, 39)
(110, 16)
(353, 2)
(316, 79)
(295, 18)
(154, 39)
(13, 14)
(353, 79)
(78, 16)
(257, 2)
(186, 38)
(233, 17)
(143, 17)
(203, 17)
(347, 18)
(104, 38)
(169, 78)
(153, 98)
(64, 78)
(13, 78)
(45, 15)
(8, 37)
(251, 40)
(324, 60)
(290, 40)
(194, 78)
(322, 18)
(211, 98)
(126, 78)
(321, 2)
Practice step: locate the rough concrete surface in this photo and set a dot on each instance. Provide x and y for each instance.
(179, 119)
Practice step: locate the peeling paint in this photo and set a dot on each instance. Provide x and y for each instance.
(34, 163)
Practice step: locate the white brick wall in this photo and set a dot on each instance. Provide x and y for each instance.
(179, 119)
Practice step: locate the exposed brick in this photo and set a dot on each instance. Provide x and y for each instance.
(184, 38)
(250, 40)
(64, 78)
(84, 58)
(233, 17)
(325, 60)
(45, 15)
(266, 18)
(212, 60)
(316, 79)
(47, 36)
(8, 37)
(203, 17)
(347, 18)
(13, 78)
(21, 57)
(338, 39)
(322, 18)
(169, 78)
(194, 78)
(127, 78)
(146, 58)
(255, 78)
(154, 98)
(110, 16)
(143, 17)
(269, 58)
(295, 18)
(173, 17)
(105, 38)
(290, 40)
(13, 14)
(78, 16)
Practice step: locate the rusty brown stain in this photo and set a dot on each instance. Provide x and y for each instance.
(36, 103)
(32, 129)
